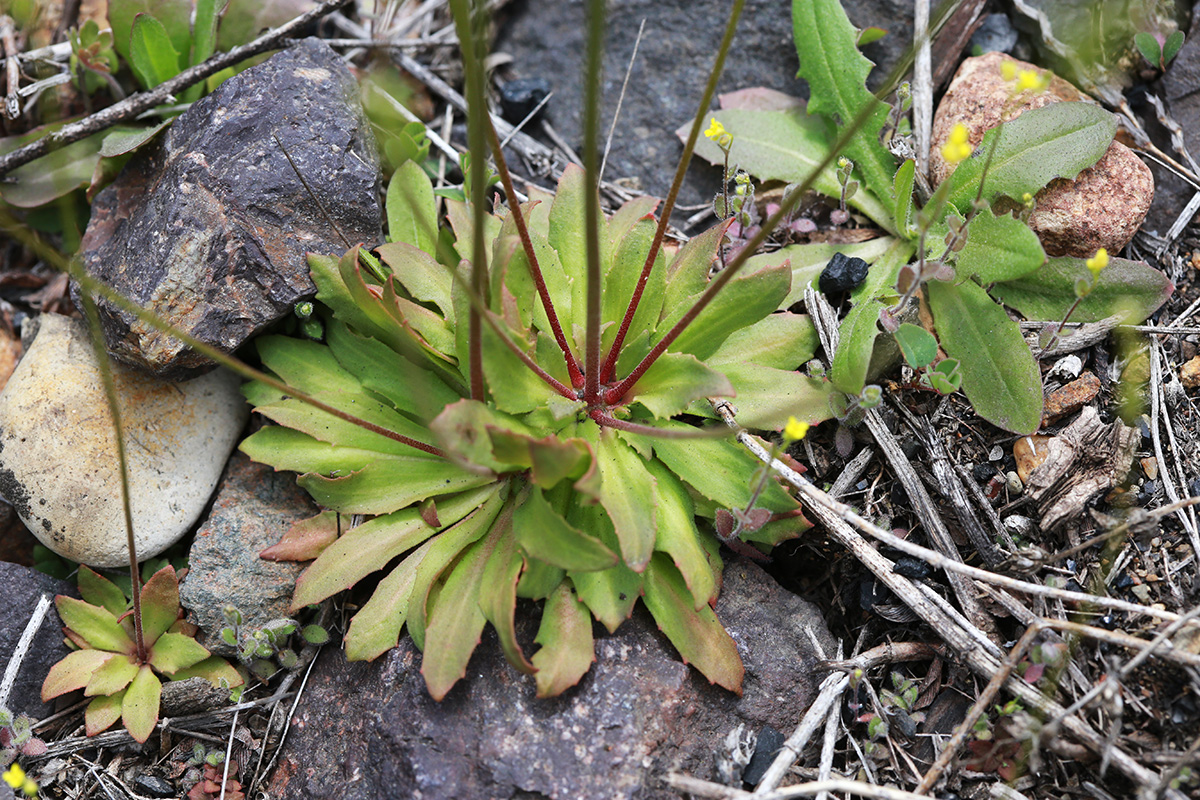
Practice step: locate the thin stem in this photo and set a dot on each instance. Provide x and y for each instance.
(591, 199)
(535, 269)
(468, 24)
(710, 88)
(104, 365)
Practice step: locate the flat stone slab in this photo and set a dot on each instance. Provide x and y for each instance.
(209, 225)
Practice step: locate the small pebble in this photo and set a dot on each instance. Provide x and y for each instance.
(983, 472)
(1029, 452)
(1070, 398)
(769, 742)
(842, 274)
(996, 453)
(1189, 373)
(996, 34)
(153, 786)
(1150, 467)
(1067, 368)
(1015, 484)
(519, 98)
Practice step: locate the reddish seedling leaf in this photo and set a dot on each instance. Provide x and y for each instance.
(567, 649)
(305, 540)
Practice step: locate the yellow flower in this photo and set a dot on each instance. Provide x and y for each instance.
(1031, 80)
(1008, 71)
(1098, 262)
(957, 147)
(795, 430)
(716, 133)
(15, 777)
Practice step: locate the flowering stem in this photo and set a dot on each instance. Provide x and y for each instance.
(591, 205)
(535, 270)
(664, 218)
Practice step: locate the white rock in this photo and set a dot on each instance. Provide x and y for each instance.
(58, 463)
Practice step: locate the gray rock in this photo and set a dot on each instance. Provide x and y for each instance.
(58, 465)
(22, 589)
(254, 507)
(547, 40)
(367, 730)
(209, 225)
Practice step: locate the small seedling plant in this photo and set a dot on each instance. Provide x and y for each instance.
(972, 247)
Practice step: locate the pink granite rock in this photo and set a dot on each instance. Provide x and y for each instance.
(1102, 207)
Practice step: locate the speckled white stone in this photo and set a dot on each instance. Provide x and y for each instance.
(58, 463)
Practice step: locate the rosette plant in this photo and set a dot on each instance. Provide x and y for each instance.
(511, 397)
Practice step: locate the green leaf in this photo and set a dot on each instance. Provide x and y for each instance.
(100, 591)
(74, 672)
(510, 257)
(696, 633)
(412, 210)
(160, 604)
(837, 75)
(917, 344)
(498, 595)
(567, 649)
(417, 271)
(456, 621)
(609, 593)
(679, 538)
(213, 669)
(375, 629)
(622, 278)
(246, 19)
(1171, 47)
(357, 306)
(627, 494)
(139, 708)
(566, 235)
(765, 398)
(687, 274)
(97, 626)
(1131, 289)
(1148, 46)
(112, 676)
(370, 546)
(204, 30)
(902, 196)
(784, 145)
(999, 374)
(174, 651)
(284, 448)
(1058, 140)
(154, 59)
(174, 16)
(808, 261)
(545, 535)
(746, 299)
(550, 459)
(999, 249)
(783, 341)
(122, 140)
(390, 483)
(463, 429)
(674, 381)
(538, 580)
(102, 712)
(53, 175)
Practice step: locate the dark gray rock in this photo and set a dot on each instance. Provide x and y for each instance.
(22, 589)
(254, 507)
(842, 274)
(367, 730)
(210, 224)
(547, 40)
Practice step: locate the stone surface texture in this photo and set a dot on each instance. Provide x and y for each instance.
(58, 464)
(367, 730)
(18, 599)
(1103, 207)
(254, 507)
(209, 225)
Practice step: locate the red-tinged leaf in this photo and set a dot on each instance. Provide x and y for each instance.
(679, 538)
(375, 629)
(546, 536)
(94, 588)
(456, 620)
(627, 494)
(424, 278)
(160, 604)
(498, 596)
(139, 709)
(214, 669)
(112, 676)
(73, 672)
(449, 544)
(567, 651)
(306, 539)
(391, 482)
(464, 431)
(102, 712)
(549, 459)
(674, 381)
(697, 634)
(687, 275)
(174, 651)
(98, 628)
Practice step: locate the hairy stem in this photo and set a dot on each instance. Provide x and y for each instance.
(469, 24)
(593, 69)
(664, 218)
(535, 269)
(104, 364)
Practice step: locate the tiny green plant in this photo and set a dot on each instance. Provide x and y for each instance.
(119, 655)
(969, 254)
(1158, 50)
(270, 647)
